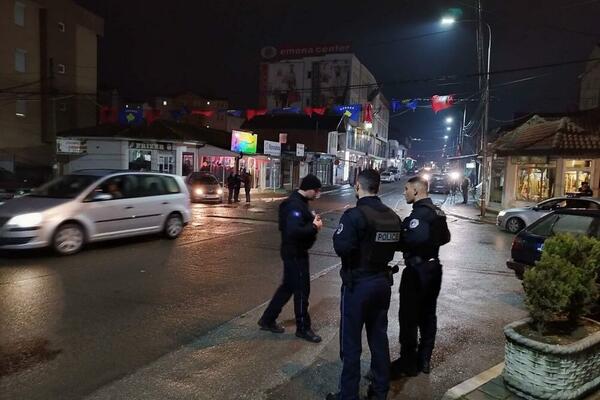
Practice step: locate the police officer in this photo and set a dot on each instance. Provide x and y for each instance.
(299, 228)
(366, 240)
(423, 232)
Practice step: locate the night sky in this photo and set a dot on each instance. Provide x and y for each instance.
(153, 47)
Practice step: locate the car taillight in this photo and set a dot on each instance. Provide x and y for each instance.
(517, 244)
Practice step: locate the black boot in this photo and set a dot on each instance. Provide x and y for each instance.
(270, 326)
(401, 368)
(309, 335)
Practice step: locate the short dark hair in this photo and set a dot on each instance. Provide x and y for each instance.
(369, 180)
(419, 180)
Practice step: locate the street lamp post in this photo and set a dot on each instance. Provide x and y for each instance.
(486, 99)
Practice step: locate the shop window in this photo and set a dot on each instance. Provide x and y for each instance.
(20, 60)
(578, 163)
(19, 13)
(140, 160)
(577, 172)
(535, 183)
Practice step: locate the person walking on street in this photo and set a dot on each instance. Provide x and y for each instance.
(247, 178)
(465, 189)
(299, 227)
(366, 240)
(237, 187)
(230, 186)
(423, 232)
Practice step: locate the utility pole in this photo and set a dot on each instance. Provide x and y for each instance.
(484, 85)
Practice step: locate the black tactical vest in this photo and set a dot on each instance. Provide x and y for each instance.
(381, 240)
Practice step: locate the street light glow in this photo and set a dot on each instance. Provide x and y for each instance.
(448, 128)
(448, 21)
(446, 137)
(449, 120)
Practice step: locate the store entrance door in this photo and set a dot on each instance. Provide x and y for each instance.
(166, 163)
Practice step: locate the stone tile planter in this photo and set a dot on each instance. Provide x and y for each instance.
(536, 370)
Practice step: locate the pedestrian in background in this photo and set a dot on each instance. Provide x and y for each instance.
(585, 190)
(230, 186)
(465, 189)
(247, 178)
(236, 188)
(366, 240)
(423, 232)
(299, 227)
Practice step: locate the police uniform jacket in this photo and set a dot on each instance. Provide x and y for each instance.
(417, 235)
(350, 237)
(298, 233)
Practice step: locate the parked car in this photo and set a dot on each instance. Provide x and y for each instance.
(204, 186)
(394, 171)
(12, 186)
(93, 205)
(439, 183)
(527, 246)
(387, 177)
(515, 219)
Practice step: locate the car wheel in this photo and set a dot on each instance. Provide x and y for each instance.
(173, 226)
(515, 225)
(68, 239)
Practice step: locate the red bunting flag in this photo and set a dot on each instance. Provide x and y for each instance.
(108, 115)
(151, 115)
(261, 111)
(308, 111)
(439, 103)
(368, 114)
(205, 113)
(250, 114)
(319, 110)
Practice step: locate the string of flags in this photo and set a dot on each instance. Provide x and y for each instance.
(137, 115)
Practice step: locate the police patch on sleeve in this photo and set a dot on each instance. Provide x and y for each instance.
(340, 229)
(413, 223)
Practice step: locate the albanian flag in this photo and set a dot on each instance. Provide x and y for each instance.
(439, 103)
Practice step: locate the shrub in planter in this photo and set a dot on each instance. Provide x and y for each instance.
(556, 353)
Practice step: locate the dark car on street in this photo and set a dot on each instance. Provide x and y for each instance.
(439, 183)
(528, 245)
(12, 186)
(204, 186)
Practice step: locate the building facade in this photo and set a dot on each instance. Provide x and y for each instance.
(589, 96)
(48, 60)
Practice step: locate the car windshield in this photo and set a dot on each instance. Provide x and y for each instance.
(65, 187)
(203, 180)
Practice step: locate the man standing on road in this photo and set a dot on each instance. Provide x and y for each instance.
(465, 189)
(230, 186)
(423, 232)
(366, 240)
(299, 228)
(247, 178)
(237, 187)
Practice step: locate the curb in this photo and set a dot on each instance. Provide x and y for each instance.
(471, 384)
(474, 219)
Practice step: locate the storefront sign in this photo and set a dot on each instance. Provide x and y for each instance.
(272, 148)
(283, 138)
(299, 150)
(471, 165)
(287, 52)
(243, 142)
(529, 160)
(71, 146)
(160, 146)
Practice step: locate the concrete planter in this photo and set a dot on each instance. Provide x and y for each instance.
(536, 370)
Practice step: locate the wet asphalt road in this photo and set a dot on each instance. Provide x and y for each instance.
(70, 325)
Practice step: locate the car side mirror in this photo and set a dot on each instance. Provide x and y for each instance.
(536, 208)
(101, 197)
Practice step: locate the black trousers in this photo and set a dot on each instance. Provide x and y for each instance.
(465, 193)
(296, 282)
(236, 195)
(247, 195)
(419, 290)
(230, 194)
(365, 305)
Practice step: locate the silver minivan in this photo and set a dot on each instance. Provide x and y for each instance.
(93, 205)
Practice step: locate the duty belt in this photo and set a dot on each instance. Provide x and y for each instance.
(416, 260)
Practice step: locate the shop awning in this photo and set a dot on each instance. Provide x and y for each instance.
(213, 151)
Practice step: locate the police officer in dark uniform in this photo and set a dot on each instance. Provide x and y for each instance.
(423, 232)
(299, 228)
(366, 240)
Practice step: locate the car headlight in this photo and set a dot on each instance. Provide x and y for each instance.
(26, 220)
(199, 191)
(502, 213)
(219, 191)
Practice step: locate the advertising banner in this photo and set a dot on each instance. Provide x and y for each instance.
(243, 142)
(272, 148)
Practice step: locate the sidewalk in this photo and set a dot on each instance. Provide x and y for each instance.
(489, 385)
(470, 211)
(278, 194)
